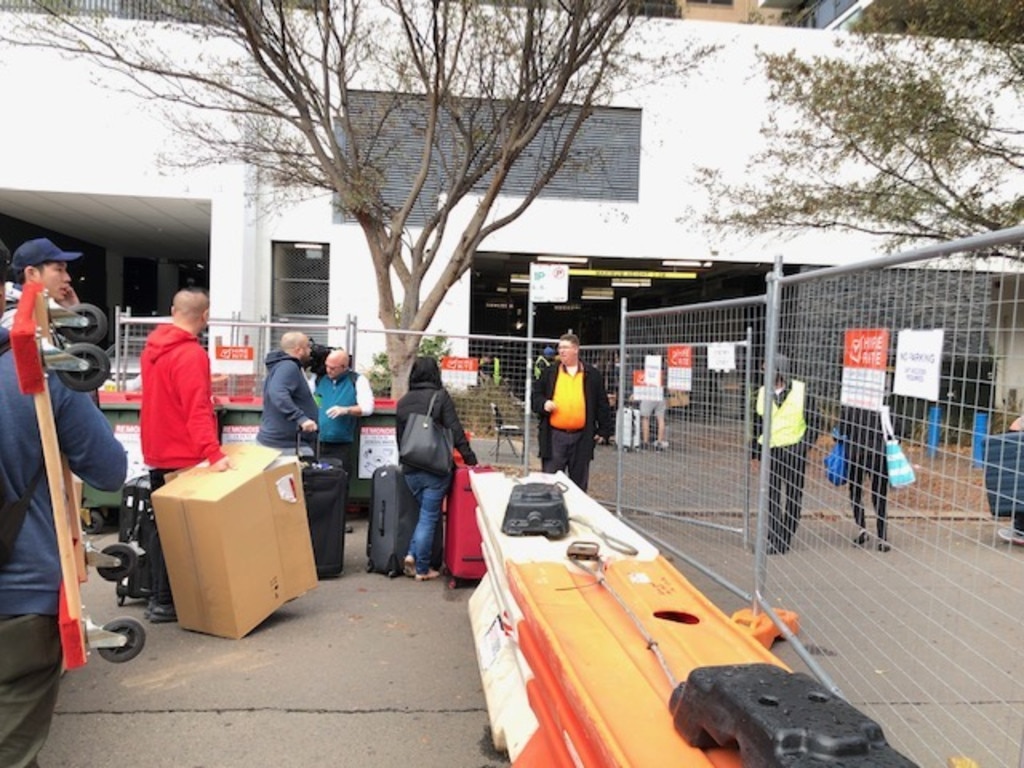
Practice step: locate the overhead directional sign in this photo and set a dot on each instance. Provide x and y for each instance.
(651, 274)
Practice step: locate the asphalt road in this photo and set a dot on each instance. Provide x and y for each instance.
(362, 671)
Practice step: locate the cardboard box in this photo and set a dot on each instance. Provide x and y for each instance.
(677, 399)
(237, 543)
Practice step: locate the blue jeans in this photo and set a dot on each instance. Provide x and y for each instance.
(429, 491)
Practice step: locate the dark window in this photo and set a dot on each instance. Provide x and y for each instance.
(299, 285)
(603, 164)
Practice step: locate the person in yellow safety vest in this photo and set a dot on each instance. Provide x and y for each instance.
(795, 426)
(490, 367)
(544, 359)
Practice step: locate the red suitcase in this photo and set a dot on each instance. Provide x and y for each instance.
(463, 550)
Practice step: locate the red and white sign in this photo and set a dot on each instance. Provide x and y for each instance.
(459, 372)
(239, 433)
(130, 437)
(680, 368)
(647, 384)
(233, 360)
(865, 356)
(378, 447)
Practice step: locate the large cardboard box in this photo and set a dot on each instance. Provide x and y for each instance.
(237, 543)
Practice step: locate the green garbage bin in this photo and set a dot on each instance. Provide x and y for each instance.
(239, 418)
(122, 411)
(376, 445)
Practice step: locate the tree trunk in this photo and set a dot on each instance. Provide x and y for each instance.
(401, 354)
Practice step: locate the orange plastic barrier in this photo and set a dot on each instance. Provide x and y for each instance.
(600, 691)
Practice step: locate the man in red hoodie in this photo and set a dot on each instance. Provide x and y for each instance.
(179, 427)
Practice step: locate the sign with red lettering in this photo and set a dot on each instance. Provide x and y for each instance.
(680, 367)
(459, 372)
(865, 358)
(378, 447)
(647, 383)
(239, 433)
(233, 360)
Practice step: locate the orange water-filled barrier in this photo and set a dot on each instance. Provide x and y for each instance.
(590, 652)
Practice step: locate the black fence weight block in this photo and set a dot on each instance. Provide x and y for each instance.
(778, 719)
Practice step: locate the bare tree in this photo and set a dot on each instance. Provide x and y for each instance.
(910, 136)
(403, 109)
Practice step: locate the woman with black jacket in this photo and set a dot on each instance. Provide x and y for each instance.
(865, 460)
(429, 489)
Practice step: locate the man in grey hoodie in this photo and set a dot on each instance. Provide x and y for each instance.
(288, 404)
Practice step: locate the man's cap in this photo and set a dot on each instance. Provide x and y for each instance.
(36, 252)
(549, 351)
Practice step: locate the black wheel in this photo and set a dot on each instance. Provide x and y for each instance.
(135, 634)
(94, 332)
(129, 562)
(369, 566)
(92, 378)
(97, 521)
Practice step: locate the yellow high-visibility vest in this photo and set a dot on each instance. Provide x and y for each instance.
(788, 422)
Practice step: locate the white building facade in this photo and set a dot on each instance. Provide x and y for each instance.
(79, 154)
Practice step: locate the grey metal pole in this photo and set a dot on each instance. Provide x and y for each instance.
(619, 409)
(528, 387)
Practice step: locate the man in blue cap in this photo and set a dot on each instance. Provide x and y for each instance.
(40, 261)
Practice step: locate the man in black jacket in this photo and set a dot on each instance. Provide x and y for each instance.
(572, 404)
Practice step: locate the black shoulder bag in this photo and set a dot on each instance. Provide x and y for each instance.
(425, 444)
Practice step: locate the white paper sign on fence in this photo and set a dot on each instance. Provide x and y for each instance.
(722, 356)
(918, 363)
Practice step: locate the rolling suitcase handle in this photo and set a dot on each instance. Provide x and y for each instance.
(298, 446)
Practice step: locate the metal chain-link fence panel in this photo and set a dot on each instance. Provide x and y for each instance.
(909, 598)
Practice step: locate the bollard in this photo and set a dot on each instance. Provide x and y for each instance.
(978, 438)
(934, 430)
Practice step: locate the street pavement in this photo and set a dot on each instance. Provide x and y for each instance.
(362, 671)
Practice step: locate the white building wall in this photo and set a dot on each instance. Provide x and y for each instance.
(63, 132)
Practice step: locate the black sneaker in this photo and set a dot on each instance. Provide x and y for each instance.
(160, 613)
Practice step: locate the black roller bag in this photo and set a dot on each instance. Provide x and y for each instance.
(136, 528)
(393, 517)
(325, 486)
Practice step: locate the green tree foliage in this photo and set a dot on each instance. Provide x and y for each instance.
(909, 131)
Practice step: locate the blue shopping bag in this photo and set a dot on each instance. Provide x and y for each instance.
(900, 471)
(835, 464)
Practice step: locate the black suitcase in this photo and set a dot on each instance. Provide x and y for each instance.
(325, 486)
(136, 528)
(393, 517)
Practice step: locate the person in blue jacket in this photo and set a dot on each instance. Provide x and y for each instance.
(288, 404)
(343, 396)
(30, 650)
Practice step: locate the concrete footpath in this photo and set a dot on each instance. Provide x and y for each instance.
(363, 671)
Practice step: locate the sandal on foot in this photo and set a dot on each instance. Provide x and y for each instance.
(431, 574)
(409, 566)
